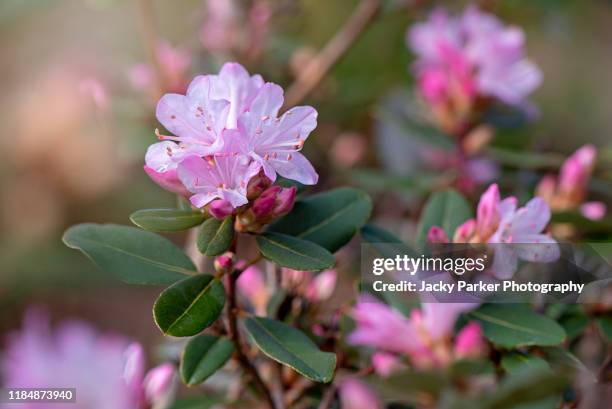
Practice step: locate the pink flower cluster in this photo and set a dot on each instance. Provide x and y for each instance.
(426, 337)
(107, 371)
(227, 130)
(569, 190)
(461, 59)
(502, 222)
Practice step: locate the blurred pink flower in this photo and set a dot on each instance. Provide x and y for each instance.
(593, 210)
(469, 342)
(424, 337)
(251, 284)
(576, 171)
(349, 148)
(220, 28)
(474, 54)
(386, 364)
(174, 65)
(355, 394)
(322, 286)
(106, 372)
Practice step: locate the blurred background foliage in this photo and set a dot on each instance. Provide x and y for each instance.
(76, 129)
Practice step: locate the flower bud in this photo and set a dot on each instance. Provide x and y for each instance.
(576, 171)
(158, 383)
(469, 341)
(285, 199)
(257, 185)
(385, 364)
(593, 210)
(220, 208)
(322, 286)
(487, 215)
(168, 180)
(465, 232)
(546, 188)
(437, 235)
(224, 263)
(265, 203)
(133, 371)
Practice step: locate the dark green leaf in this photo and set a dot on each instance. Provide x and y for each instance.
(134, 255)
(291, 347)
(385, 242)
(447, 209)
(187, 307)
(513, 326)
(294, 253)
(516, 361)
(216, 236)
(329, 219)
(166, 220)
(203, 356)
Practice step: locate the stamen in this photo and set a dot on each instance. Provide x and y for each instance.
(289, 157)
(265, 117)
(266, 156)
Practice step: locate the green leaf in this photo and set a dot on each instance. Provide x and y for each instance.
(187, 307)
(291, 347)
(166, 220)
(385, 242)
(203, 356)
(516, 361)
(216, 236)
(329, 219)
(134, 255)
(447, 209)
(294, 253)
(605, 324)
(513, 326)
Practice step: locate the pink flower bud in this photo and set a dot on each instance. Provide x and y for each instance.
(355, 394)
(220, 208)
(252, 286)
(385, 364)
(593, 210)
(134, 366)
(257, 185)
(266, 202)
(487, 215)
(469, 341)
(577, 169)
(285, 200)
(437, 235)
(465, 232)
(322, 286)
(168, 180)
(546, 188)
(158, 383)
(224, 263)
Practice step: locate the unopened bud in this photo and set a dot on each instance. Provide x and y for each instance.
(487, 215)
(158, 383)
(465, 232)
(576, 170)
(593, 210)
(220, 208)
(478, 139)
(224, 263)
(546, 188)
(436, 235)
(469, 342)
(285, 199)
(266, 202)
(257, 185)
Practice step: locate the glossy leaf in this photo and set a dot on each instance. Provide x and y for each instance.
(447, 209)
(294, 253)
(134, 255)
(329, 219)
(203, 356)
(291, 347)
(516, 361)
(166, 220)
(513, 326)
(189, 306)
(216, 236)
(385, 242)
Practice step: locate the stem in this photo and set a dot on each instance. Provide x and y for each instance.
(234, 334)
(319, 66)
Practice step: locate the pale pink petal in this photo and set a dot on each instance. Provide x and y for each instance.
(539, 248)
(355, 394)
(469, 342)
(440, 318)
(295, 167)
(593, 210)
(386, 364)
(505, 261)
(531, 219)
(168, 180)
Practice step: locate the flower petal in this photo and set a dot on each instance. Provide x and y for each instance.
(296, 168)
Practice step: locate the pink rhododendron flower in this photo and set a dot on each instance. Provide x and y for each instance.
(355, 394)
(425, 337)
(107, 372)
(174, 64)
(386, 364)
(322, 286)
(251, 284)
(469, 342)
(463, 58)
(219, 31)
(226, 131)
(593, 210)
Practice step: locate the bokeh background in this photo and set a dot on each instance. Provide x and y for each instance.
(77, 112)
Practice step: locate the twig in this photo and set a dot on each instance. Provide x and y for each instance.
(244, 361)
(319, 66)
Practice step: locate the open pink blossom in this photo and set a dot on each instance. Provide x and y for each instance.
(274, 142)
(219, 177)
(354, 394)
(475, 54)
(520, 234)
